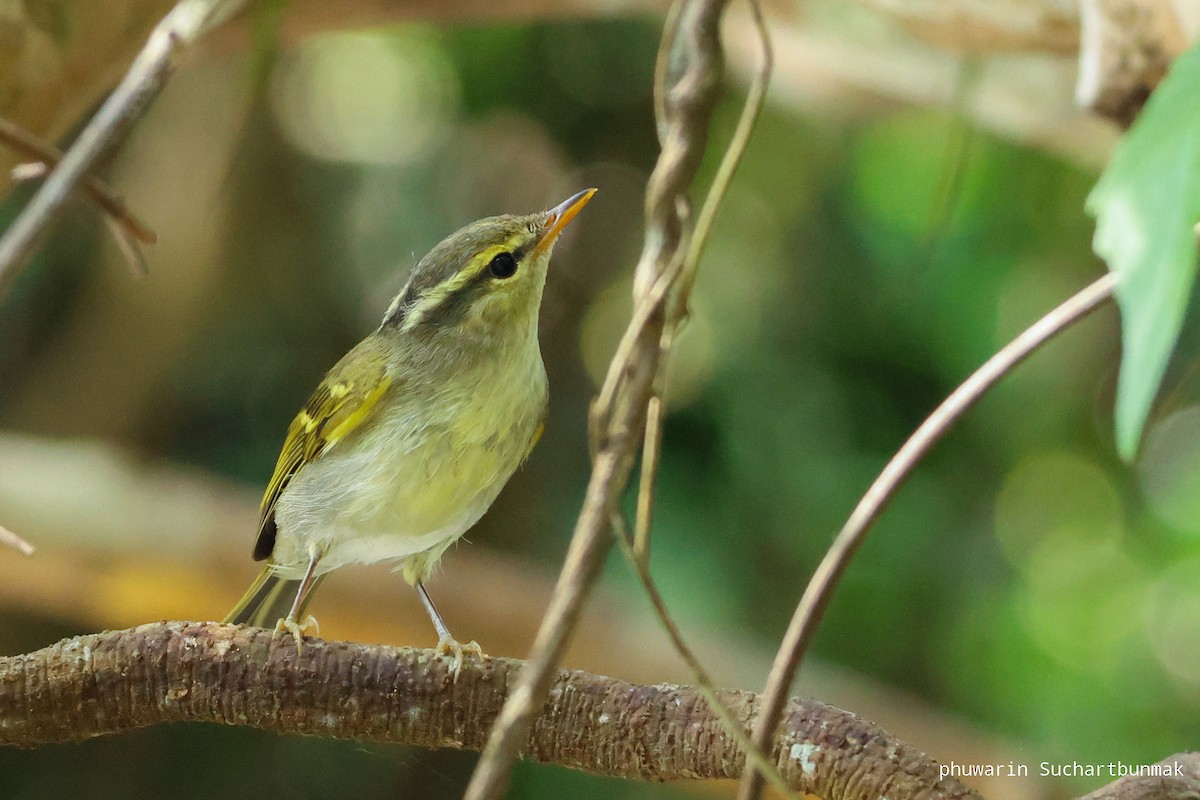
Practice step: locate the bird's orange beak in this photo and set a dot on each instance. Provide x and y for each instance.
(558, 217)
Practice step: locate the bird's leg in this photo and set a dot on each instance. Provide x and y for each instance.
(447, 644)
(289, 624)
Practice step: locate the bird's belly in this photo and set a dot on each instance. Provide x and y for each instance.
(396, 493)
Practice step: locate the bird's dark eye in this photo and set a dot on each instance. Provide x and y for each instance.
(503, 266)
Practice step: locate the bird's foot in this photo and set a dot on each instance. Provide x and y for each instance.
(449, 646)
(297, 630)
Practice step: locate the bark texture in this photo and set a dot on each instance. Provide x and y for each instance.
(206, 672)
(1174, 787)
(1126, 48)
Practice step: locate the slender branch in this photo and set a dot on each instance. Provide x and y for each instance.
(820, 589)
(127, 230)
(47, 157)
(636, 545)
(694, 72)
(705, 687)
(206, 672)
(185, 23)
(756, 99)
(666, 46)
(698, 240)
(651, 453)
(128, 245)
(10, 539)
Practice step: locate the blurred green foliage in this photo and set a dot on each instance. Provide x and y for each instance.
(1021, 578)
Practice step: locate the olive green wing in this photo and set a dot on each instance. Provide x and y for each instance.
(346, 398)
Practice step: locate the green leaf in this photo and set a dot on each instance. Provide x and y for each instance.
(1146, 205)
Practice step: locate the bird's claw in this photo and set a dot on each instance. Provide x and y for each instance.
(297, 630)
(449, 646)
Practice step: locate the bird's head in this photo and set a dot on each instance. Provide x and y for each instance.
(485, 279)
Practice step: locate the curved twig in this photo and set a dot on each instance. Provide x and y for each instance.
(820, 589)
(751, 110)
(127, 230)
(694, 75)
(47, 157)
(704, 684)
(185, 23)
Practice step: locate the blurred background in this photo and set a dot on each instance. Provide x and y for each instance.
(1027, 598)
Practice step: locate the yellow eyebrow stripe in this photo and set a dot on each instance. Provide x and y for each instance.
(447, 288)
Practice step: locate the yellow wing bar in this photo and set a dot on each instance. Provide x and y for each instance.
(345, 399)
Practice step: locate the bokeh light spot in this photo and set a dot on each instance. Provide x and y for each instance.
(365, 97)
(1172, 611)
(690, 366)
(1053, 493)
(1081, 600)
(741, 274)
(1169, 470)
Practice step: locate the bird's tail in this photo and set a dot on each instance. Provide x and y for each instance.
(269, 599)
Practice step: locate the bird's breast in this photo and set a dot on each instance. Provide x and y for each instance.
(423, 473)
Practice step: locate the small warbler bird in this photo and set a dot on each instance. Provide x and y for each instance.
(410, 437)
